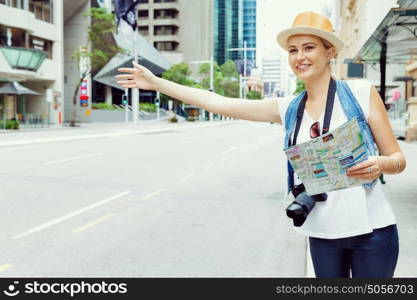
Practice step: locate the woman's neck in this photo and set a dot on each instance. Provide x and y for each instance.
(317, 88)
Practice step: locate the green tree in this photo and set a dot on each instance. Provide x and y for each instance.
(229, 70)
(254, 95)
(100, 48)
(299, 86)
(179, 73)
(204, 70)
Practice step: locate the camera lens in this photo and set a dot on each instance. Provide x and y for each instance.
(299, 209)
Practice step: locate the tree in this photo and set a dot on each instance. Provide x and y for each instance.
(179, 73)
(254, 95)
(299, 87)
(100, 48)
(226, 78)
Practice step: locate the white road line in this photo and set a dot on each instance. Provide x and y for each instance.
(70, 215)
(187, 177)
(151, 194)
(229, 150)
(223, 159)
(206, 167)
(5, 267)
(72, 158)
(91, 224)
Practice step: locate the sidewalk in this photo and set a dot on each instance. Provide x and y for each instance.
(97, 130)
(401, 191)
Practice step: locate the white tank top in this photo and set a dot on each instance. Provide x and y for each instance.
(352, 211)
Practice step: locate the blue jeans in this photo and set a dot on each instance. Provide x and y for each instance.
(368, 255)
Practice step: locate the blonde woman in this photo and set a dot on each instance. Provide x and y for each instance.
(352, 232)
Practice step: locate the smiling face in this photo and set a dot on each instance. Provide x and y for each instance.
(309, 56)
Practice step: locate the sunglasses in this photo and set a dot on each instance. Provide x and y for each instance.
(315, 130)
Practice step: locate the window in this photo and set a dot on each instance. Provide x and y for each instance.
(165, 14)
(41, 44)
(166, 46)
(143, 14)
(165, 30)
(43, 10)
(143, 30)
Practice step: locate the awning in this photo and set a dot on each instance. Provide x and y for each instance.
(399, 30)
(14, 88)
(23, 58)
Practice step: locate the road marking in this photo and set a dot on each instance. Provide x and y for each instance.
(187, 177)
(72, 158)
(151, 194)
(70, 215)
(229, 150)
(99, 220)
(206, 167)
(5, 267)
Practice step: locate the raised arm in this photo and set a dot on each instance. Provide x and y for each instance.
(257, 110)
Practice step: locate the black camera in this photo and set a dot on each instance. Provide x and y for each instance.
(299, 209)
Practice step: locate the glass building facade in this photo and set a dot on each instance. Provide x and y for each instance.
(228, 29)
(249, 26)
(234, 22)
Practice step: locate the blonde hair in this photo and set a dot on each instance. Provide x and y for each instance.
(332, 61)
(329, 45)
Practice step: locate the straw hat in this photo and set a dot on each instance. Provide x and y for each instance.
(310, 23)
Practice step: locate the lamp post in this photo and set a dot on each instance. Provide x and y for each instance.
(245, 49)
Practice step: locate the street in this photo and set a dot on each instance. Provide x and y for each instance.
(203, 202)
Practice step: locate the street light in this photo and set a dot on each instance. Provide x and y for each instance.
(245, 49)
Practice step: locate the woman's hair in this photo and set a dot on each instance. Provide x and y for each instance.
(328, 45)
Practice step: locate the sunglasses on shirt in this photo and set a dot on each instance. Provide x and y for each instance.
(315, 130)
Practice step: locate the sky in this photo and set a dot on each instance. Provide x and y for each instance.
(276, 15)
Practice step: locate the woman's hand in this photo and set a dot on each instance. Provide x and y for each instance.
(137, 77)
(370, 169)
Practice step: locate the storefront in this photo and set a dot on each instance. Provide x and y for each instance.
(390, 58)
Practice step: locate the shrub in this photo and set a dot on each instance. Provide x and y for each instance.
(103, 106)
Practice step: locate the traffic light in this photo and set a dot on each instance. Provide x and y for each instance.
(124, 99)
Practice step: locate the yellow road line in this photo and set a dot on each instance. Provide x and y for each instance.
(152, 194)
(5, 267)
(99, 220)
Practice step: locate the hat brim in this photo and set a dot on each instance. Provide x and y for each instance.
(282, 37)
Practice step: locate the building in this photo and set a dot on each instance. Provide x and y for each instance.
(249, 27)
(31, 53)
(102, 87)
(178, 29)
(274, 74)
(228, 29)
(385, 47)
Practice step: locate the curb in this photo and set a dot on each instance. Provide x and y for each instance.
(108, 134)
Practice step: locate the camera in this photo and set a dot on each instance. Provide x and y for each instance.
(299, 209)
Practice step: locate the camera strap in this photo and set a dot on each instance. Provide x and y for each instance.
(327, 115)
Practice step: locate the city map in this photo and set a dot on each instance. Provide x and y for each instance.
(321, 163)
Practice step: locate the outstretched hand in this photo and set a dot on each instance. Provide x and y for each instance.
(137, 77)
(370, 169)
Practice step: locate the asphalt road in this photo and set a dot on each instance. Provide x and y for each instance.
(203, 202)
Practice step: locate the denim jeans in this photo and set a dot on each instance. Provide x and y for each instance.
(368, 255)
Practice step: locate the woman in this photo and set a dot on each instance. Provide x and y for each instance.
(354, 230)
